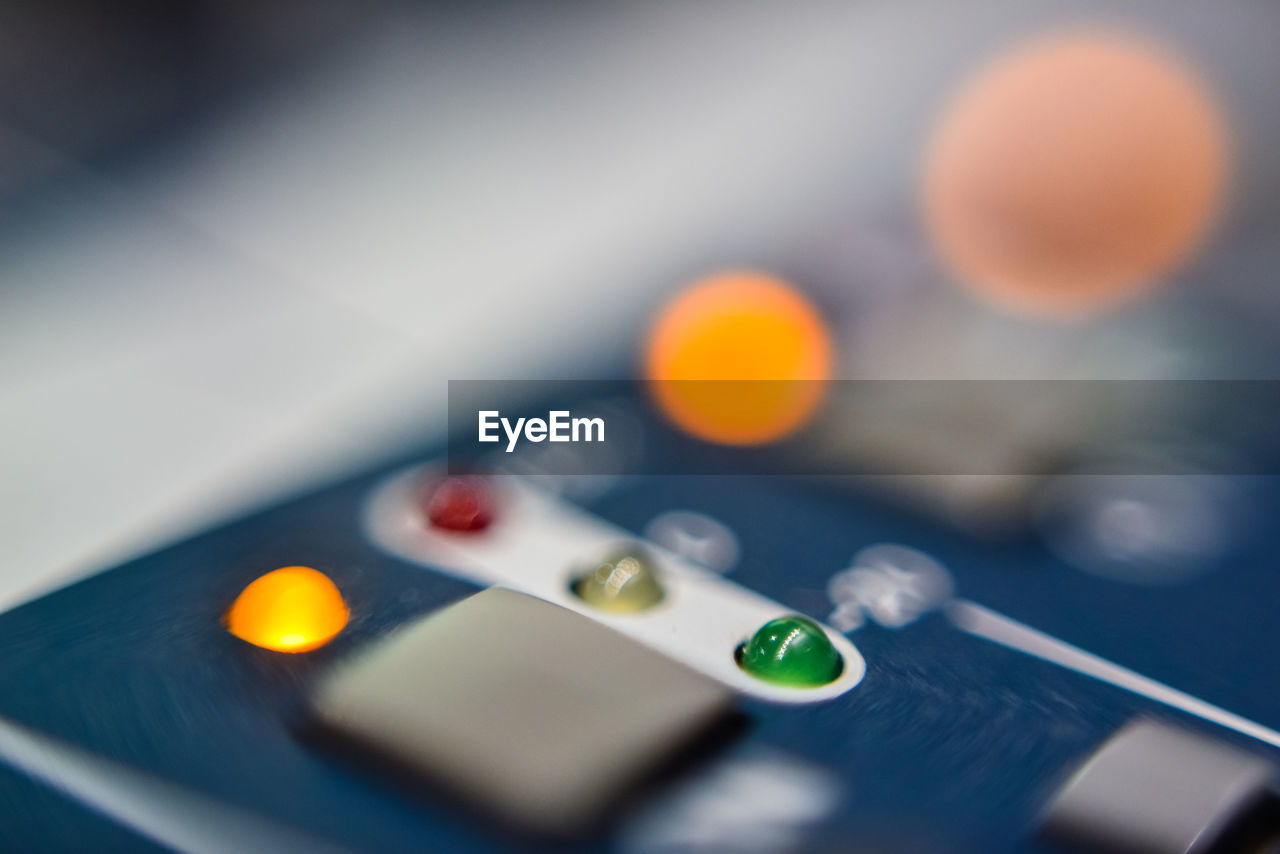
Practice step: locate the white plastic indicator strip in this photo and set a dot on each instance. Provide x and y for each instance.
(540, 544)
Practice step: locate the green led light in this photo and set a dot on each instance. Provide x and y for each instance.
(623, 583)
(791, 651)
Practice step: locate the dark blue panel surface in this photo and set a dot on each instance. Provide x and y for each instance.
(950, 743)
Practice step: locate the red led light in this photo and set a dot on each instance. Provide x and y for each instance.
(460, 503)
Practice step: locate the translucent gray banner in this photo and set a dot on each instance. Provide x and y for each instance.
(866, 427)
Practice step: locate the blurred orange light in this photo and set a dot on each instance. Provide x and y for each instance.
(293, 609)
(764, 342)
(1073, 173)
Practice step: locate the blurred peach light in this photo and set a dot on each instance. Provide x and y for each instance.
(739, 358)
(1075, 172)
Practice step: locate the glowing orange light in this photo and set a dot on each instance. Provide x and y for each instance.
(1074, 173)
(763, 341)
(293, 609)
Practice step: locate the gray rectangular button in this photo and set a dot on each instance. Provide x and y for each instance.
(535, 712)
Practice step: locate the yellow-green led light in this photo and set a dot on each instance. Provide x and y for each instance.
(791, 651)
(623, 583)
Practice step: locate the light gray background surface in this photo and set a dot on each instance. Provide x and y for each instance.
(286, 295)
